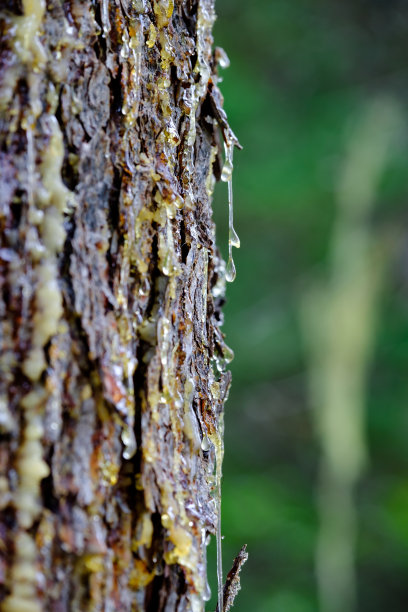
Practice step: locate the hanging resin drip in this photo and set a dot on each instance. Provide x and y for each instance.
(217, 440)
(233, 240)
(207, 589)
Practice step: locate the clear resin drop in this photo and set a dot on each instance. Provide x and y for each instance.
(233, 239)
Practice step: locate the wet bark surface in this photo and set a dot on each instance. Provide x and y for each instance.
(113, 366)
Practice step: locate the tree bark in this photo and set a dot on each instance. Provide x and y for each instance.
(113, 365)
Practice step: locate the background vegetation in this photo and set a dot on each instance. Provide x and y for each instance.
(303, 77)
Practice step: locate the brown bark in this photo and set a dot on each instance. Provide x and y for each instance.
(112, 361)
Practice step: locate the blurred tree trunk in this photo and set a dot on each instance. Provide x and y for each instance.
(112, 361)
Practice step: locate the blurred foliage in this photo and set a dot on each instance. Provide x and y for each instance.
(301, 74)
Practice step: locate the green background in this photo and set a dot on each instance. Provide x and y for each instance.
(301, 71)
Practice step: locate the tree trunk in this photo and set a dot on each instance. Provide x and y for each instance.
(112, 361)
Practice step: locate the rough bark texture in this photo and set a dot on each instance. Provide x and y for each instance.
(112, 361)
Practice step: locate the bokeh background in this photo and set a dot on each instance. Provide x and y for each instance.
(316, 454)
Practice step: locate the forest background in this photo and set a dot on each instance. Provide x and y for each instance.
(313, 89)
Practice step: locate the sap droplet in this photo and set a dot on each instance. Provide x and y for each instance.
(221, 362)
(166, 520)
(139, 6)
(205, 444)
(152, 36)
(125, 50)
(129, 440)
(226, 174)
(228, 354)
(230, 272)
(221, 57)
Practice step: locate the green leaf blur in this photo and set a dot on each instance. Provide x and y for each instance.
(301, 75)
